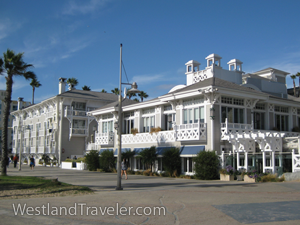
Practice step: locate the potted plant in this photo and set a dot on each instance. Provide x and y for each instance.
(227, 174)
(239, 175)
(134, 131)
(155, 130)
(252, 176)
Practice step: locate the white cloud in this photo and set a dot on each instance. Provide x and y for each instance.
(7, 26)
(74, 8)
(146, 79)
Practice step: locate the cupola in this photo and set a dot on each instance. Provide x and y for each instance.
(235, 65)
(213, 59)
(192, 66)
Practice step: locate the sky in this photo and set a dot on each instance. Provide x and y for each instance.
(81, 39)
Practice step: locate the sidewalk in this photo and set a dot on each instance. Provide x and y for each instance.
(185, 201)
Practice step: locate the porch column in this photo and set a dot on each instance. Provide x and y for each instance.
(273, 161)
(264, 161)
(246, 161)
(182, 165)
(237, 160)
(223, 160)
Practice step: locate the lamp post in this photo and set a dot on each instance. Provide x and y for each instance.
(119, 125)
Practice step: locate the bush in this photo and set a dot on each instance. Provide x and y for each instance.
(146, 173)
(171, 161)
(206, 165)
(92, 160)
(107, 160)
(138, 173)
(130, 172)
(271, 178)
(148, 156)
(46, 158)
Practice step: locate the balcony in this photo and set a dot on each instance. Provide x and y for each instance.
(41, 133)
(159, 137)
(33, 149)
(26, 150)
(190, 132)
(104, 139)
(27, 134)
(33, 133)
(41, 149)
(50, 149)
(91, 146)
(69, 112)
(78, 131)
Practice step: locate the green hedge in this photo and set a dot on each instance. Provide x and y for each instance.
(206, 165)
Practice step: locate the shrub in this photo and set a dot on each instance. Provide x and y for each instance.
(146, 173)
(130, 172)
(206, 165)
(155, 130)
(107, 160)
(92, 160)
(271, 178)
(138, 173)
(148, 155)
(171, 161)
(134, 131)
(80, 159)
(46, 158)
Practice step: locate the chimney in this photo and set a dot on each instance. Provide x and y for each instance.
(62, 85)
(20, 100)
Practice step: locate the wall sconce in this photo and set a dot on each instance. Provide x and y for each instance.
(212, 113)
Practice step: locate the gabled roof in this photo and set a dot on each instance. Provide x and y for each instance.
(269, 69)
(92, 95)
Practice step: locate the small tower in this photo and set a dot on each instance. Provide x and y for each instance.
(235, 65)
(213, 60)
(192, 66)
(62, 85)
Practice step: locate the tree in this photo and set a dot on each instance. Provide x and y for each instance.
(115, 91)
(34, 84)
(171, 161)
(72, 82)
(86, 88)
(143, 95)
(136, 100)
(294, 77)
(107, 160)
(92, 160)
(298, 75)
(206, 165)
(127, 155)
(12, 65)
(148, 156)
(103, 91)
(130, 95)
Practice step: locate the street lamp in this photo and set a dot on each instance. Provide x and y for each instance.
(119, 125)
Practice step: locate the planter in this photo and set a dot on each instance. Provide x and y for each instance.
(249, 179)
(226, 177)
(239, 177)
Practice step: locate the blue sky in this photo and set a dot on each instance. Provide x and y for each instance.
(82, 39)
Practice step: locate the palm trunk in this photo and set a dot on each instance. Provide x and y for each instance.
(294, 88)
(7, 101)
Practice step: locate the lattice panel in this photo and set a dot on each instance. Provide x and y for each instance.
(248, 103)
(271, 107)
(199, 77)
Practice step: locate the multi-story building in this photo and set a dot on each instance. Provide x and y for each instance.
(13, 107)
(59, 126)
(248, 119)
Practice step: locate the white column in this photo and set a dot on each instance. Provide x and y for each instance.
(264, 161)
(273, 161)
(237, 160)
(246, 161)
(223, 160)
(293, 163)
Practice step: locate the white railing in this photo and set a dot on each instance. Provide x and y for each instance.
(160, 137)
(27, 134)
(104, 138)
(78, 131)
(41, 132)
(33, 133)
(70, 112)
(33, 149)
(193, 131)
(41, 149)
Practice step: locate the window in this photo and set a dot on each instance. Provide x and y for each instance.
(128, 125)
(193, 115)
(281, 122)
(15, 107)
(78, 123)
(187, 164)
(259, 120)
(169, 119)
(232, 101)
(107, 126)
(233, 115)
(148, 123)
(79, 106)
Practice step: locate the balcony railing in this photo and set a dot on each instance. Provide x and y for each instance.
(104, 138)
(41, 149)
(27, 134)
(79, 131)
(189, 132)
(33, 149)
(159, 137)
(71, 112)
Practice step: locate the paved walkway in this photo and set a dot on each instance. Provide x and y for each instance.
(184, 201)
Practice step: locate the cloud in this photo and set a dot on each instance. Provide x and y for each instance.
(146, 79)
(7, 27)
(73, 8)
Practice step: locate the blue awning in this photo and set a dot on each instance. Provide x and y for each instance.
(122, 150)
(102, 149)
(161, 150)
(192, 150)
(137, 150)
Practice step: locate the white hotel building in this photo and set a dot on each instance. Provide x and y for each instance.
(247, 119)
(59, 126)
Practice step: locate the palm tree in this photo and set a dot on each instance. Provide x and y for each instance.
(115, 91)
(12, 65)
(34, 84)
(298, 75)
(294, 77)
(72, 82)
(86, 88)
(130, 95)
(103, 91)
(143, 95)
(136, 100)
